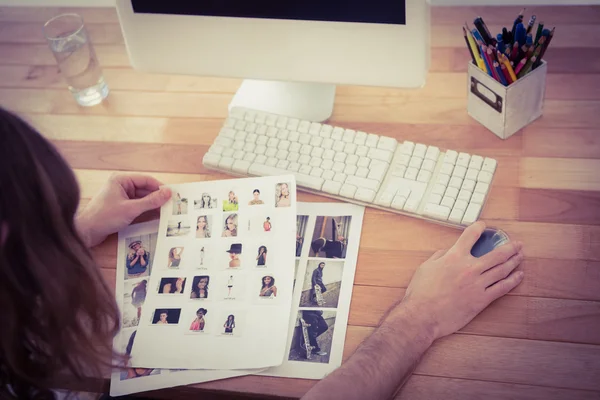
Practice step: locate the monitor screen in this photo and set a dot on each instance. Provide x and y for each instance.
(365, 11)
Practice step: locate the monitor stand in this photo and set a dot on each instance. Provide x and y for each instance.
(310, 101)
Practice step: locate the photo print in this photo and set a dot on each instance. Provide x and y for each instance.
(231, 286)
(330, 237)
(231, 202)
(230, 225)
(175, 285)
(230, 322)
(140, 255)
(203, 258)
(261, 224)
(262, 256)
(268, 289)
(166, 316)
(200, 287)
(206, 202)
(301, 221)
(128, 338)
(322, 283)
(296, 273)
(204, 226)
(234, 256)
(133, 300)
(178, 228)
(256, 198)
(314, 327)
(199, 321)
(174, 257)
(283, 197)
(180, 205)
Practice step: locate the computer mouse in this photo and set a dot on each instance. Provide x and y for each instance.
(488, 241)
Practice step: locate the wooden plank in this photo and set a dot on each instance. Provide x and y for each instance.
(95, 15)
(560, 173)
(561, 142)
(559, 206)
(113, 55)
(436, 388)
(32, 33)
(502, 15)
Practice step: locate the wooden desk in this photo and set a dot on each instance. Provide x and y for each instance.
(540, 342)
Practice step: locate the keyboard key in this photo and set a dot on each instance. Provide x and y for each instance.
(348, 135)
(316, 141)
(337, 133)
(240, 125)
(372, 140)
(350, 169)
(419, 150)
(399, 170)
(306, 149)
(437, 212)
(398, 202)
(292, 124)
(250, 157)
(241, 166)
(348, 191)
(271, 120)
(362, 151)
(484, 177)
(317, 152)
(316, 172)
(260, 159)
(450, 157)
(363, 162)
(305, 169)
(459, 171)
(304, 126)
(362, 172)
(226, 163)
(415, 162)
(328, 154)
(411, 173)
(293, 136)
(439, 189)
(461, 204)
(350, 148)
(476, 162)
(363, 182)
(404, 159)
(304, 138)
(284, 145)
(283, 164)
(352, 159)
(326, 131)
(223, 141)
(464, 195)
(228, 152)
(237, 113)
(338, 167)
(456, 216)
(262, 140)
(314, 129)
(472, 174)
(211, 160)
(463, 160)
(281, 122)
(413, 201)
(468, 185)
(310, 182)
(489, 165)
(261, 130)
(328, 175)
(360, 138)
(387, 143)
(239, 154)
(271, 161)
(338, 146)
(385, 199)
(377, 172)
(304, 159)
(407, 148)
(451, 192)
(455, 181)
(327, 164)
(477, 198)
(340, 157)
(482, 188)
(251, 127)
(432, 153)
(447, 202)
(273, 142)
(339, 177)
(272, 131)
(293, 157)
(443, 179)
(250, 116)
(238, 145)
(424, 176)
(447, 169)
(428, 165)
(251, 138)
(216, 149)
(327, 144)
(471, 214)
(227, 133)
(230, 122)
(332, 187)
(271, 152)
(434, 199)
(366, 195)
(282, 155)
(383, 155)
(315, 162)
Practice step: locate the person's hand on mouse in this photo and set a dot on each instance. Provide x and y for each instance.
(122, 199)
(452, 287)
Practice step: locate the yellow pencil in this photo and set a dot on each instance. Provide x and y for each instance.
(509, 68)
(475, 51)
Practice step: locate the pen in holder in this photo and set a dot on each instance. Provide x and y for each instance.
(505, 110)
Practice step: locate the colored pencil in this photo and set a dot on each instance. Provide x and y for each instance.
(520, 66)
(538, 35)
(499, 73)
(506, 74)
(469, 46)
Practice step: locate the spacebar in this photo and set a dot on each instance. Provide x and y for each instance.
(307, 181)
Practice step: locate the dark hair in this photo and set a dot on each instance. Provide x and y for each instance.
(263, 281)
(45, 270)
(130, 343)
(262, 247)
(232, 318)
(204, 311)
(196, 290)
(256, 191)
(164, 282)
(321, 263)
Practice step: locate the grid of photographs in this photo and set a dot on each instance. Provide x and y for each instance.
(320, 286)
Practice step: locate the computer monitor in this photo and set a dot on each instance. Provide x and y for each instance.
(294, 51)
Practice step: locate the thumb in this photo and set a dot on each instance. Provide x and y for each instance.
(152, 201)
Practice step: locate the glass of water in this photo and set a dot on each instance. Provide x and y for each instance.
(76, 58)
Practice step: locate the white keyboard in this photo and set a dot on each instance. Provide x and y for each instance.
(368, 169)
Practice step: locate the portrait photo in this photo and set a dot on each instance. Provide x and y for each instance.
(174, 285)
(200, 287)
(301, 221)
(256, 199)
(230, 225)
(134, 296)
(140, 255)
(166, 316)
(199, 321)
(283, 197)
(180, 205)
(234, 253)
(174, 257)
(231, 202)
(206, 202)
(268, 289)
(178, 228)
(330, 237)
(230, 322)
(312, 337)
(231, 286)
(322, 283)
(127, 341)
(203, 226)
(262, 256)
(262, 223)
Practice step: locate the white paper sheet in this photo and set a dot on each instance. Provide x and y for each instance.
(128, 381)
(337, 224)
(217, 302)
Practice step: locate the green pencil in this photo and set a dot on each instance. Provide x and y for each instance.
(538, 35)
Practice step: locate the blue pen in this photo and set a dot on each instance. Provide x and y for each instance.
(501, 75)
(477, 36)
(500, 45)
(485, 60)
(520, 35)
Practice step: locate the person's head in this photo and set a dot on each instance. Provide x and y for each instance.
(321, 265)
(163, 316)
(231, 196)
(262, 250)
(268, 218)
(285, 191)
(231, 222)
(143, 283)
(39, 197)
(203, 282)
(135, 246)
(201, 312)
(205, 200)
(202, 223)
(230, 318)
(256, 194)
(268, 281)
(167, 286)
